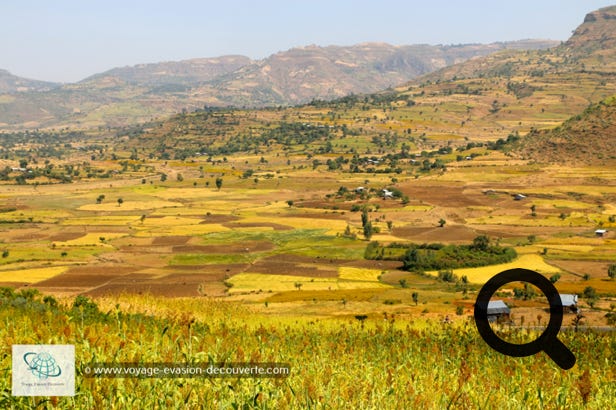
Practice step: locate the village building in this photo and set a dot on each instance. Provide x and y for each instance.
(498, 311)
(569, 303)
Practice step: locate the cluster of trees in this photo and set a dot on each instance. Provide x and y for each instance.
(440, 257)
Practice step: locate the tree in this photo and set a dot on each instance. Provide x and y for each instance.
(219, 183)
(415, 297)
(298, 285)
(5, 253)
(590, 292)
(554, 278)
(290, 203)
(163, 177)
(611, 271)
(364, 217)
(442, 222)
(481, 243)
(120, 201)
(100, 198)
(368, 230)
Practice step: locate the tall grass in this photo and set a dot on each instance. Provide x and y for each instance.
(341, 364)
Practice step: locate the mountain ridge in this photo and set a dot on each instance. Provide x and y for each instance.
(11, 83)
(125, 95)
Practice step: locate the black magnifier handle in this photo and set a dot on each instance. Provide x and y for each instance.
(559, 353)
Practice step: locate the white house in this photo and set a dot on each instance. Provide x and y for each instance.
(387, 193)
(569, 302)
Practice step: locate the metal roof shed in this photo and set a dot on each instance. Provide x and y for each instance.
(498, 307)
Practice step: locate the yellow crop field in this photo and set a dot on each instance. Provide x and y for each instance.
(576, 240)
(360, 274)
(194, 229)
(254, 282)
(130, 205)
(483, 274)
(90, 239)
(31, 275)
(560, 203)
(111, 220)
(524, 221)
(170, 221)
(415, 208)
(189, 193)
(333, 225)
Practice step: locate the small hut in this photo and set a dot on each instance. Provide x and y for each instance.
(498, 311)
(569, 303)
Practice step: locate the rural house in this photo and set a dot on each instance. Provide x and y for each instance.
(498, 311)
(569, 303)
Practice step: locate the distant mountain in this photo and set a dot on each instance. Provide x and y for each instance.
(186, 72)
(10, 84)
(127, 95)
(589, 138)
(302, 74)
(526, 103)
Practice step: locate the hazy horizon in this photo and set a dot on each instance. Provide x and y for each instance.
(67, 42)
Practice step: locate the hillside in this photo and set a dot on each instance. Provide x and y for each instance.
(587, 138)
(481, 101)
(590, 49)
(302, 74)
(128, 95)
(10, 84)
(186, 72)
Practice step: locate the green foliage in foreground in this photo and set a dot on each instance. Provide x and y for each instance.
(377, 363)
(436, 256)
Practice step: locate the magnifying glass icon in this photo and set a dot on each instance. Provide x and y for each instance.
(547, 342)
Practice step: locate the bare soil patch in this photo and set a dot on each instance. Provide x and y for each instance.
(172, 285)
(85, 276)
(217, 219)
(595, 269)
(296, 266)
(13, 285)
(443, 195)
(449, 234)
(170, 240)
(66, 236)
(315, 215)
(214, 270)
